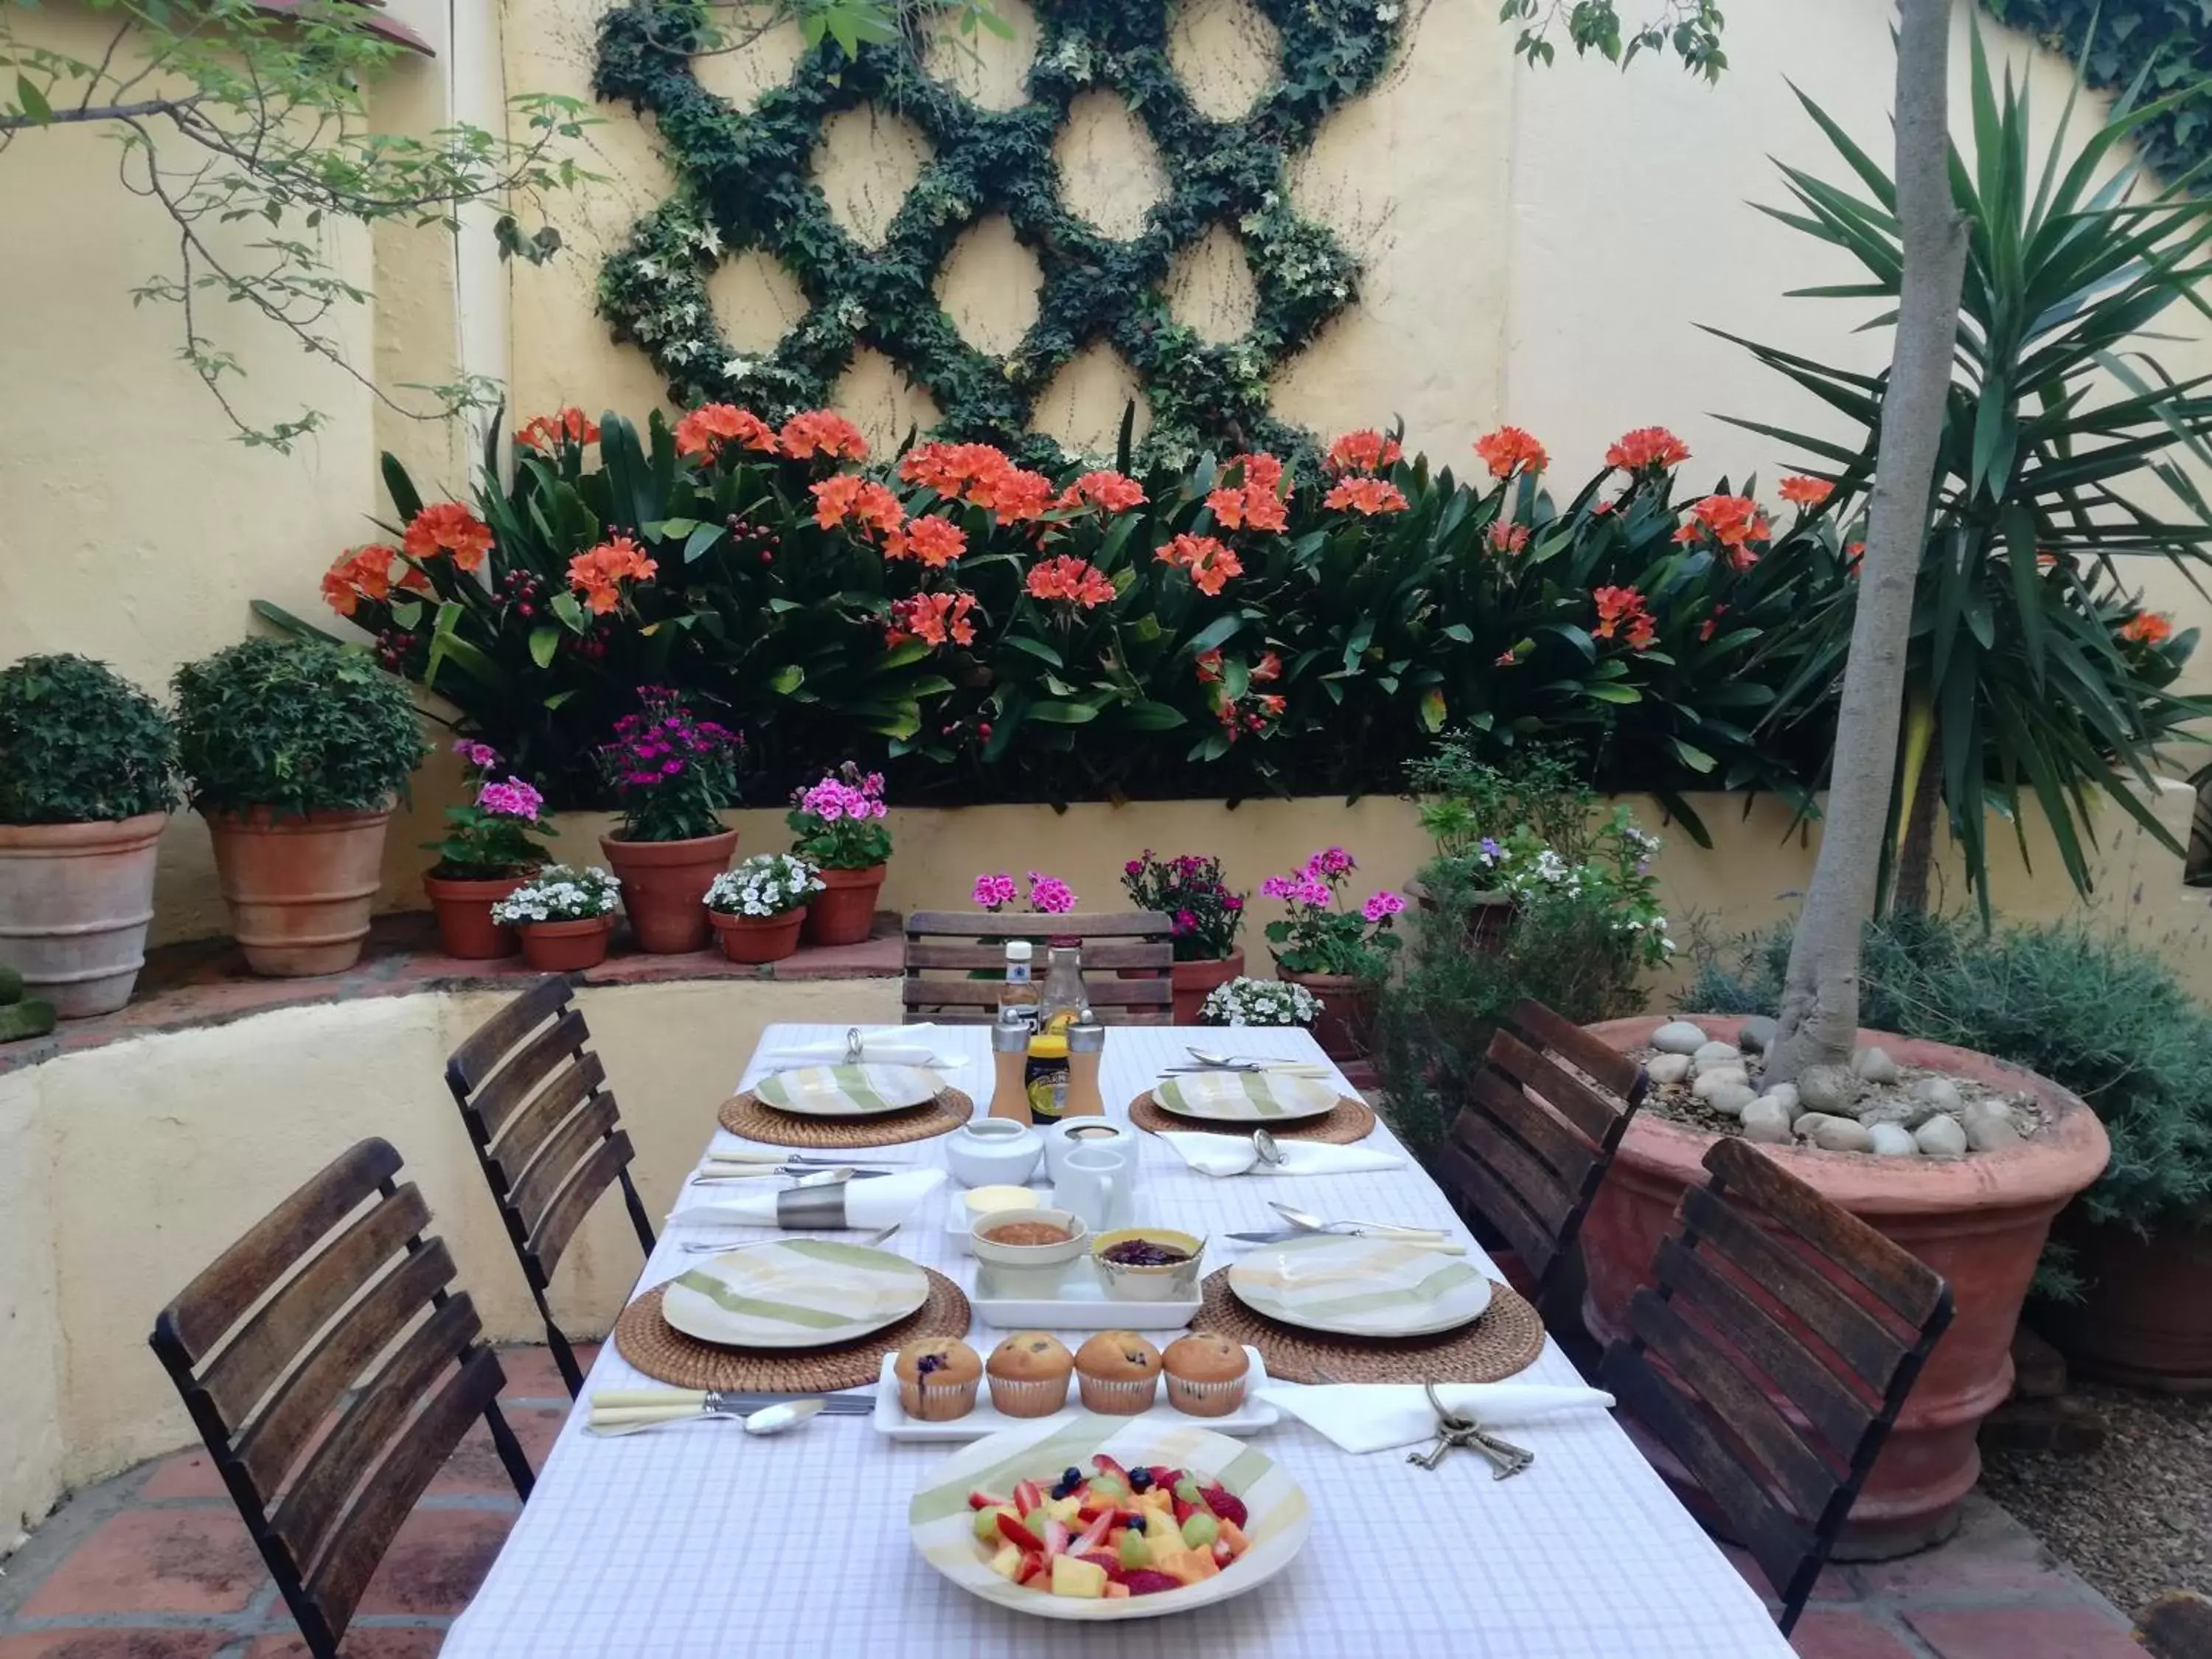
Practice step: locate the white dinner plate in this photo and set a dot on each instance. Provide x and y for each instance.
(1361, 1286)
(1244, 1097)
(943, 1526)
(847, 1090)
(793, 1293)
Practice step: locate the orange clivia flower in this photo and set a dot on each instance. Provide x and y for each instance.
(449, 527)
(1366, 451)
(1735, 521)
(1509, 450)
(1014, 496)
(1211, 563)
(822, 432)
(1273, 705)
(549, 432)
(862, 502)
(1209, 667)
(706, 428)
(1623, 606)
(600, 574)
(1109, 491)
(1802, 491)
(1255, 500)
(2146, 627)
(1506, 537)
(362, 573)
(933, 618)
(1505, 659)
(935, 542)
(1713, 623)
(1365, 495)
(1853, 552)
(1269, 667)
(1647, 446)
(1077, 580)
(949, 469)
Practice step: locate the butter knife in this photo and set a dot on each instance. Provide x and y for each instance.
(1436, 1241)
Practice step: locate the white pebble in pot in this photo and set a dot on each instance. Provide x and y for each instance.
(1938, 1091)
(1766, 1121)
(1875, 1064)
(1826, 1088)
(1940, 1137)
(1730, 1099)
(1677, 1036)
(1732, 1078)
(1667, 1068)
(1841, 1134)
(1892, 1140)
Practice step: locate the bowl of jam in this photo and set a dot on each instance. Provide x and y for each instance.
(1029, 1238)
(1148, 1264)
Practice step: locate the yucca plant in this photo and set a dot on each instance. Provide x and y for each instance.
(2032, 668)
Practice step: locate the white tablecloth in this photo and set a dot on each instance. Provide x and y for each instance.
(702, 1542)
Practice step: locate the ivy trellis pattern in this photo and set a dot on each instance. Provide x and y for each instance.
(744, 184)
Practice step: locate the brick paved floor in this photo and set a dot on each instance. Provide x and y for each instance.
(155, 1565)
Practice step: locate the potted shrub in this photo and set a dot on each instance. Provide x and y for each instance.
(564, 917)
(1189, 890)
(672, 773)
(87, 765)
(1477, 813)
(838, 826)
(1259, 1002)
(488, 851)
(757, 908)
(295, 751)
(1342, 956)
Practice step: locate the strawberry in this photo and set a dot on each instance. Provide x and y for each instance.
(1224, 1503)
(983, 1500)
(1144, 1581)
(1056, 1538)
(1090, 1512)
(1164, 1476)
(1115, 1573)
(1028, 1495)
(1093, 1535)
(1017, 1534)
(1033, 1566)
(1222, 1552)
(1183, 1511)
(1106, 1465)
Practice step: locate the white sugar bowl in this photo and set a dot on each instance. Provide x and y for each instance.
(993, 1152)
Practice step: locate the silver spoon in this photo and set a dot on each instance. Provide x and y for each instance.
(1313, 1223)
(769, 1420)
(1264, 1145)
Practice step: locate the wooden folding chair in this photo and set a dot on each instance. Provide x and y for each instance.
(548, 1136)
(1771, 1297)
(1533, 1141)
(266, 1343)
(943, 947)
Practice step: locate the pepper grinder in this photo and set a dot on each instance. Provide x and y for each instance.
(1086, 1046)
(1010, 1058)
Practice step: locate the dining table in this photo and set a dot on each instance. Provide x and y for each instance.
(701, 1541)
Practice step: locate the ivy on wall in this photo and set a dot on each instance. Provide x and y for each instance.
(745, 182)
(2173, 38)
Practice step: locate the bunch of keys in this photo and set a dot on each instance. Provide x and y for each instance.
(1455, 1431)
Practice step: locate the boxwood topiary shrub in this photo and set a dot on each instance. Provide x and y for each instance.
(296, 726)
(79, 743)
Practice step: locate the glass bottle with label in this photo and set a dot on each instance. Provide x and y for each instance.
(1017, 993)
(1058, 1004)
(1062, 998)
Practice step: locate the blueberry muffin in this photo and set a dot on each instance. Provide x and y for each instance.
(937, 1377)
(1206, 1374)
(1028, 1374)
(1118, 1372)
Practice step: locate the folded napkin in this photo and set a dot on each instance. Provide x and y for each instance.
(1232, 1155)
(1371, 1416)
(888, 1045)
(861, 1204)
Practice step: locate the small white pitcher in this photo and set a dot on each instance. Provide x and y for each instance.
(991, 1152)
(1098, 1183)
(1064, 1137)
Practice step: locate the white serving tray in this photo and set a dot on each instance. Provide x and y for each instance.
(890, 1418)
(1019, 1301)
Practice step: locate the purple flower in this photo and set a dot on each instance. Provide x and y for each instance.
(669, 768)
(993, 892)
(1330, 862)
(1184, 921)
(1049, 896)
(513, 799)
(1491, 849)
(1382, 906)
(1278, 886)
(1232, 903)
(476, 754)
(1133, 867)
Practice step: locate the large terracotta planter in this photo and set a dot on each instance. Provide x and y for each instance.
(2145, 1318)
(663, 887)
(844, 911)
(758, 938)
(1980, 1222)
(299, 888)
(1345, 1027)
(464, 924)
(565, 947)
(1191, 982)
(75, 902)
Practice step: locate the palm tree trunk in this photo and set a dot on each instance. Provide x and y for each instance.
(1916, 850)
(1819, 1011)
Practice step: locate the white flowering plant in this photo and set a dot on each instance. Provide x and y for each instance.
(764, 885)
(559, 893)
(1613, 880)
(1247, 1001)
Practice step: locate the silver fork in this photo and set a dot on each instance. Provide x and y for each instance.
(870, 1242)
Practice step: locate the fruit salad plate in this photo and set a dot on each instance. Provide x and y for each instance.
(892, 1422)
(1361, 1286)
(1255, 1097)
(793, 1293)
(1070, 1298)
(1179, 1517)
(847, 1090)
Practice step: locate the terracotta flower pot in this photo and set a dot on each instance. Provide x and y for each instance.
(1486, 918)
(1192, 981)
(299, 888)
(2145, 1318)
(758, 938)
(464, 909)
(663, 887)
(1980, 1221)
(844, 911)
(565, 947)
(75, 902)
(1346, 1026)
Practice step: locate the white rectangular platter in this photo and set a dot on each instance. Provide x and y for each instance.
(1077, 1302)
(890, 1418)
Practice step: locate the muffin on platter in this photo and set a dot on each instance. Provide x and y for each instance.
(1118, 1372)
(1028, 1374)
(937, 1378)
(1206, 1374)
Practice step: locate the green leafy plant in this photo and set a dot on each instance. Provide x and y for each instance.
(79, 743)
(2161, 45)
(2032, 671)
(294, 726)
(1463, 801)
(838, 823)
(672, 772)
(1319, 935)
(2096, 1014)
(495, 835)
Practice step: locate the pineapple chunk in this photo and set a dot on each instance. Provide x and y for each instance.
(1007, 1563)
(1074, 1576)
(1233, 1535)
(1066, 1510)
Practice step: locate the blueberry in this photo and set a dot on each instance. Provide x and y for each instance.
(1140, 1479)
(1136, 1522)
(1071, 1476)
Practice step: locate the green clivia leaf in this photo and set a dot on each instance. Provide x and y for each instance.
(785, 681)
(570, 611)
(543, 641)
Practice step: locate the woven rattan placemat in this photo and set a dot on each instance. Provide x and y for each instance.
(644, 1337)
(744, 1115)
(1506, 1339)
(1348, 1121)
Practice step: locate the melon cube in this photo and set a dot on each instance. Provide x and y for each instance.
(1007, 1563)
(1073, 1576)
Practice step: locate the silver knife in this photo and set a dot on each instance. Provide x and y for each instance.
(671, 1400)
(1426, 1241)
